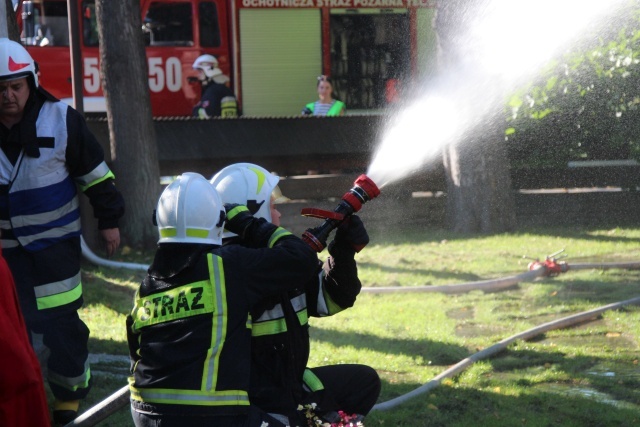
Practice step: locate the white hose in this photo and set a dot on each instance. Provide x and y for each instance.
(89, 255)
(530, 333)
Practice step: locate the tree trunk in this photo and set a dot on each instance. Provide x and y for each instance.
(479, 194)
(134, 149)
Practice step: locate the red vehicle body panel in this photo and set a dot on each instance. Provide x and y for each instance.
(169, 66)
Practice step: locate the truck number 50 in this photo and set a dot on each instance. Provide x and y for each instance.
(161, 75)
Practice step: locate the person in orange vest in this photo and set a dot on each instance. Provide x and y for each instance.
(325, 105)
(22, 398)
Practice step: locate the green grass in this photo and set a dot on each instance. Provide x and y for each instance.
(587, 375)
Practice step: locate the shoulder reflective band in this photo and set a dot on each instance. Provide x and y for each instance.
(177, 303)
(279, 233)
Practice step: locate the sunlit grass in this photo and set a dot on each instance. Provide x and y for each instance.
(410, 338)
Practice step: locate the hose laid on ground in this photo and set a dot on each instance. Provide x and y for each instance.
(92, 257)
(462, 365)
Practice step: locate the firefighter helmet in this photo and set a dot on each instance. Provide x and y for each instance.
(209, 65)
(250, 185)
(190, 211)
(15, 62)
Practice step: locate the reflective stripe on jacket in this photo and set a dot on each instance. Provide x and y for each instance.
(201, 298)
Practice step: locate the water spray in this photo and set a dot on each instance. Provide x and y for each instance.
(364, 189)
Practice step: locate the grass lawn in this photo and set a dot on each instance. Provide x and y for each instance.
(586, 375)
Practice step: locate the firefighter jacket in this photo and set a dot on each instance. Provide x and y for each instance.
(189, 332)
(280, 334)
(217, 100)
(44, 158)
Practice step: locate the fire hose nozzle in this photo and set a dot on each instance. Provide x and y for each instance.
(364, 189)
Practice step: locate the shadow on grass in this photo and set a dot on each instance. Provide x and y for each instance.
(452, 405)
(436, 352)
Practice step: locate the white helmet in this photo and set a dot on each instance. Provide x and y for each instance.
(190, 211)
(250, 185)
(15, 62)
(208, 64)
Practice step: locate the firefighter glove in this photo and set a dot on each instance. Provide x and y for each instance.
(352, 231)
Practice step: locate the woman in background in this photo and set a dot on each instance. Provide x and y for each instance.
(325, 105)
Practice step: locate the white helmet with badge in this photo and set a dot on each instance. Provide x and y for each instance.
(15, 62)
(190, 211)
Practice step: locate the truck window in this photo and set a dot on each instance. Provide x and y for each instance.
(51, 26)
(168, 24)
(209, 28)
(369, 56)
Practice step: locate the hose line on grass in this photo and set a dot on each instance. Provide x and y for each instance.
(92, 257)
(528, 334)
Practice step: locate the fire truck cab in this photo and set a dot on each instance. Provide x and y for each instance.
(273, 50)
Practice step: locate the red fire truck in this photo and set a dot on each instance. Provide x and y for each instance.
(273, 50)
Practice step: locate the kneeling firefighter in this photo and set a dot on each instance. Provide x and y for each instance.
(280, 379)
(189, 332)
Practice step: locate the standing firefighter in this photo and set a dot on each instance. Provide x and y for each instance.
(189, 332)
(47, 150)
(217, 99)
(280, 379)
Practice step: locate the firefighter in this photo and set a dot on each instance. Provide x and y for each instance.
(46, 151)
(217, 99)
(280, 379)
(189, 332)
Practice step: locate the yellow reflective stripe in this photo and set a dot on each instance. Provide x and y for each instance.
(235, 211)
(197, 232)
(71, 383)
(60, 299)
(270, 327)
(189, 397)
(311, 380)
(177, 303)
(219, 323)
(279, 233)
(303, 317)
(168, 232)
(332, 307)
(97, 175)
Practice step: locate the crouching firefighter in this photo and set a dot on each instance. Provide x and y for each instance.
(280, 379)
(189, 332)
